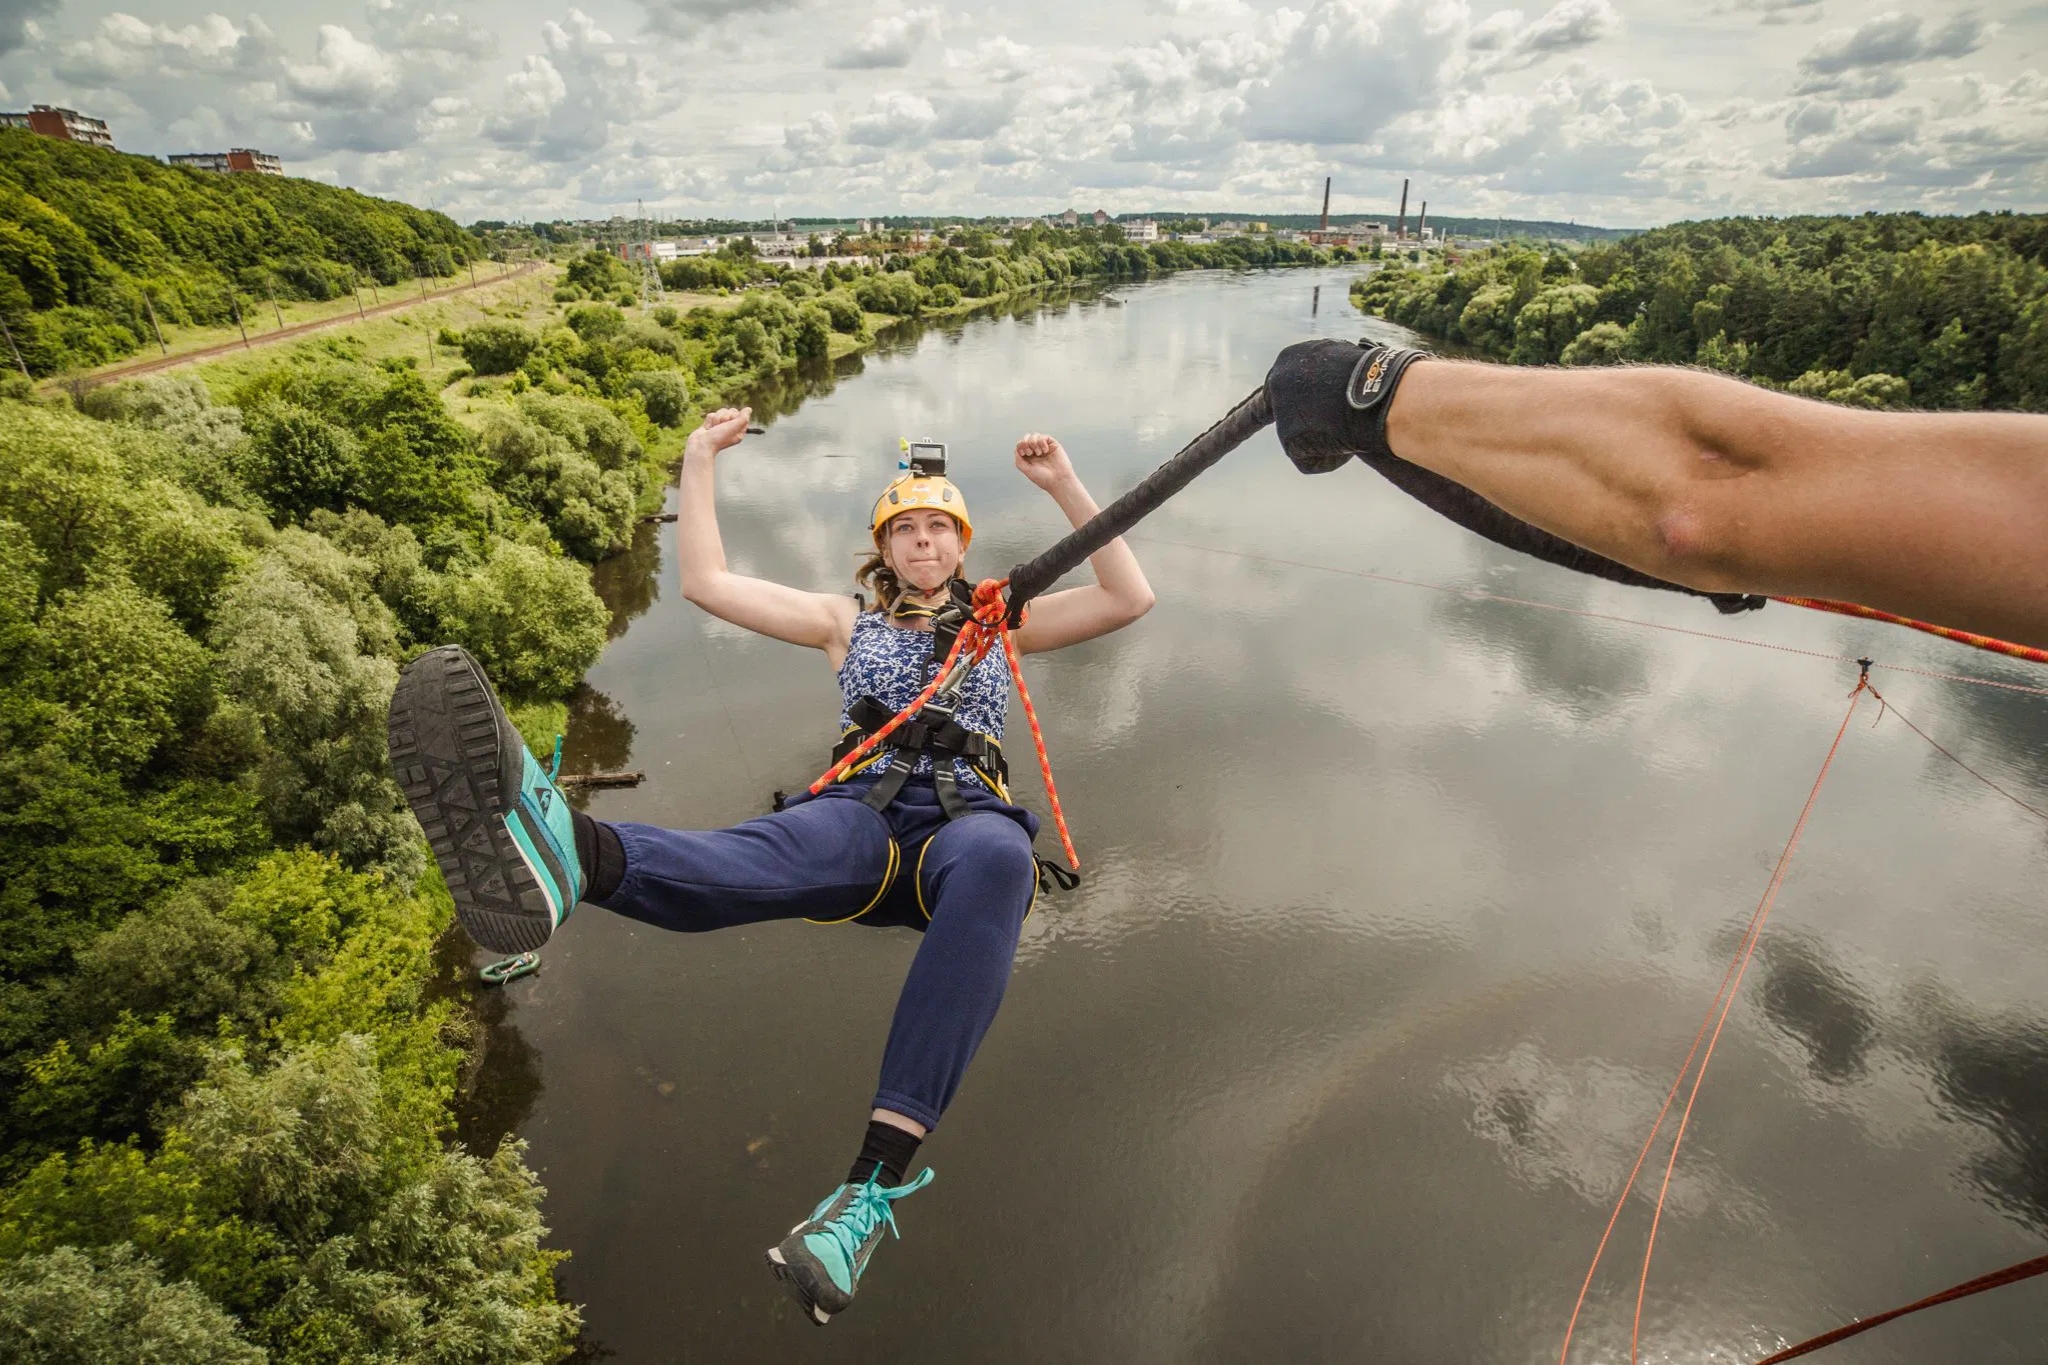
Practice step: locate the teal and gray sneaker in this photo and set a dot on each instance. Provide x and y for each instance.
(821, 1260)
(499, 826)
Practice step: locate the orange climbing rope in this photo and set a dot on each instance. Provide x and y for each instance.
(989, 623)
(1963, 637)
(1716, 1016)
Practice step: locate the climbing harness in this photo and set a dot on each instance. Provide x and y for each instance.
(985, 623)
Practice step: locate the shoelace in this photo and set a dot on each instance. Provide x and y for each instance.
(872, 1204)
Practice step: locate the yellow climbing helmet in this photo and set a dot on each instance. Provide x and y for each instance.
(922, 482)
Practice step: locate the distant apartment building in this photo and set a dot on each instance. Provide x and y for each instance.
(1141, 230)
(246, 160)
(66, 125)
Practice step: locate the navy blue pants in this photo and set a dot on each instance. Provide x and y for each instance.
(967, 884)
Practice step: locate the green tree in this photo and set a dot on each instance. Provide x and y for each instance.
(70, 1307)
(531, 620)
(497, 347)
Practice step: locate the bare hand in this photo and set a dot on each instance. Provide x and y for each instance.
(722, 429)
(1043, 460)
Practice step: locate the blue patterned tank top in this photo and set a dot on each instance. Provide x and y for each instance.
(892, 665)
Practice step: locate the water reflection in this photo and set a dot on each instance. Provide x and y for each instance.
(1815, 1002)
(1379, 970)
(501, 1073)
(627, 581)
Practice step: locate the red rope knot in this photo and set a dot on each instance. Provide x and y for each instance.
(989, 608)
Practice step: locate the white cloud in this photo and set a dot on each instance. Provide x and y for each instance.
(997, 60)
(1777, 11)
(16, 17)
(1864, 62)
(894, 119)
(1512, 44)
(1552, 108)
(687, 18)
(1350, 67)
(409, 26)
(892, 40)
(563, 104)
(346, 71)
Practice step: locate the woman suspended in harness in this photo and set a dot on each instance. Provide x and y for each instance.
(919, 833)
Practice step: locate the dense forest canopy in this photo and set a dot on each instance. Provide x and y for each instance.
(91, 239)
(1882, 310)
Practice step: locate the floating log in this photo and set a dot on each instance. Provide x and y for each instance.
(659, 516)
(626, 779)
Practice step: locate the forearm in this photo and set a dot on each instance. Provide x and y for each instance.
(700, 552)
(1116, 568)
(1720, 485)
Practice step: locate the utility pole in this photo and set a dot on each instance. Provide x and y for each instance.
(236, 309)
(472, 273)
(146, 303)
(1401, 227)
(267, 289)
(650, 274)
(356, 292)
(9, 333)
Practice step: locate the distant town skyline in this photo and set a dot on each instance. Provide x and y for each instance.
(1614, 112)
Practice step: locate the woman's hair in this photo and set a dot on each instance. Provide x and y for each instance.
(875, 575)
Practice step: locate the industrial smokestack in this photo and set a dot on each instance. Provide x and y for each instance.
(1401, 227)
(1422, 223)
(1326, 203)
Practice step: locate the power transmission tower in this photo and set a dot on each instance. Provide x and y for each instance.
(650, 276)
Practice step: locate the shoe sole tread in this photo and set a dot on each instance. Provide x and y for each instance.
(447, 754)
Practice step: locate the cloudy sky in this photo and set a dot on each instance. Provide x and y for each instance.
(1627, 112)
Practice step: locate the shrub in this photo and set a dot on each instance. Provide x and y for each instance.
(813, 333)
(112, 1307)
(1604, 343)
(530, 619)
(497, 347)
(300, 461)
(665, 394)
(844, 310)
(1870, 391)
(595, 321)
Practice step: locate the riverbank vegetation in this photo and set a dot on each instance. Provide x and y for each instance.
(228, 1070)
(99, 250)
(1881, 311)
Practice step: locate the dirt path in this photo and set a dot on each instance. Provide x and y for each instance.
(170, 362)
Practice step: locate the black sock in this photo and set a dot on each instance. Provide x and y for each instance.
(886, 1149)
(602, 855)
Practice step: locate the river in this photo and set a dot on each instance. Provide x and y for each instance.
(1400, 910)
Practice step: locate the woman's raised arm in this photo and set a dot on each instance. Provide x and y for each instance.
(814, 619)
(1120, 594)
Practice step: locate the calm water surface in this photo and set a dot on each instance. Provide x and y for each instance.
(1400, 911)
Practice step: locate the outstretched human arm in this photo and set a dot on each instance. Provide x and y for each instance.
(1727, 487)
(1119, 595)
(819, 620)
